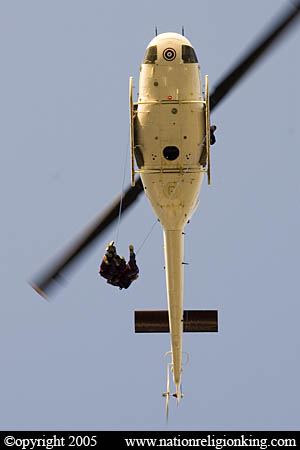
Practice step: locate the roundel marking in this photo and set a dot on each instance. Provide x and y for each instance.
(169, 54)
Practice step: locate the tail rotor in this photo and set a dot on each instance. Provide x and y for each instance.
(178, 394)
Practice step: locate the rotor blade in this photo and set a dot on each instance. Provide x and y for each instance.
(279, 26)
(53, 274)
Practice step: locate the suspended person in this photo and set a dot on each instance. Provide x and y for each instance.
(212, 141)
(112, 264)
(130, 272)
(115, 270)
(212, 134)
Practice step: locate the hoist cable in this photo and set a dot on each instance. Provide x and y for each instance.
(122, 190)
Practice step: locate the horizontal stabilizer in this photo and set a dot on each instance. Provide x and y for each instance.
(158, 321)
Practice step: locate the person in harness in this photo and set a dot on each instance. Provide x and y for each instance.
(115, 270)
(212, 140)
(212, 134)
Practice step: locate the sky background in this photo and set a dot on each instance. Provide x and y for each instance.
(75, 363)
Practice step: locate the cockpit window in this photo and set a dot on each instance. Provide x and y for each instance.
(188, 54)
(151, 55)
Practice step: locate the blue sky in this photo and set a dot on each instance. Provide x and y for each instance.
(75, 363)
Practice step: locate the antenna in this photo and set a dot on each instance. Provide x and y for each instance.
(182, 30)
(155, 30)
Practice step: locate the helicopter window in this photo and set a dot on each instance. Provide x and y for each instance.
(188, 54)
(151, 55)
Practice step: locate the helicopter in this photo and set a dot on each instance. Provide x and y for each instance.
(170, 171)
(170, 139)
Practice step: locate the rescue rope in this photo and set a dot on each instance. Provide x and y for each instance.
(122, 189)
(169, 199)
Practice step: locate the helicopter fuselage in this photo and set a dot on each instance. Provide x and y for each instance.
(169, 139)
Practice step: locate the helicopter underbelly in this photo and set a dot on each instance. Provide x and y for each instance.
(168, 130)
(169, 135)
(169, 138)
